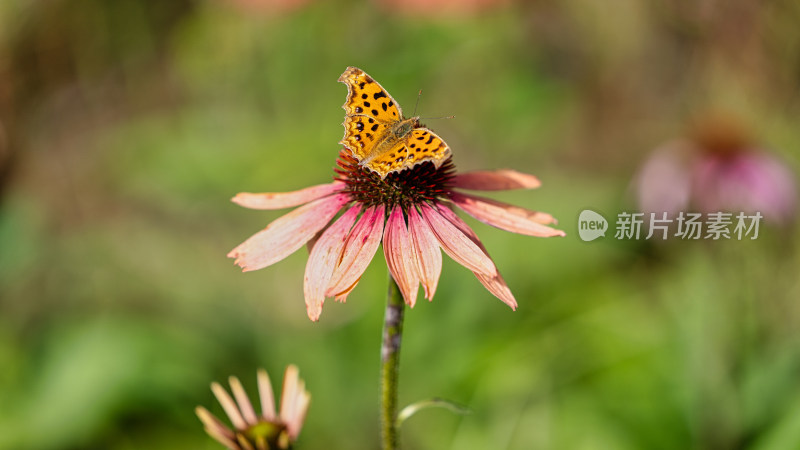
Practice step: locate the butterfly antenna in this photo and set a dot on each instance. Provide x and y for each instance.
(436, 118)
(417, 104)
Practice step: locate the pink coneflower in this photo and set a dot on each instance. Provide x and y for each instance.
(270, 430)
(718, 169)
(409, 211)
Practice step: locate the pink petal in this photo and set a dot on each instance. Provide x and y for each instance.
(246, 408)
(456, 244)
(280, 200)
(287, 233)
(426, 249)
(229, 406)
(506, 217)
(267, 396)
(323, 260)
(359, 249)
(497, 180)
(399, 253)
(215, 428)
(496, 285)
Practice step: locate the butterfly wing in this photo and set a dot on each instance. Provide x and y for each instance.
(369, 110)
(419, 146)
(361, 133)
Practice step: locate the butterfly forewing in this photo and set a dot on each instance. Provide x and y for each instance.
(365, 96)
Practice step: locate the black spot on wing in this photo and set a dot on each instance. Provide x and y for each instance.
(358, 110)
(430, 139)
(374, 112)
(379, 95)
(384, 106)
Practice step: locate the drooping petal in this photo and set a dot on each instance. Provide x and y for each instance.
(498, 287)
(278, 200)
(246, 408)
(295, 423)
(399, 253)
(506, 217)
(287, 233)
(495, 180)
(267, 396)
(426, 250)
(323, 259)
(494, 284)
(229, 406)
(456, 244)
(215, 428)
(359, 249)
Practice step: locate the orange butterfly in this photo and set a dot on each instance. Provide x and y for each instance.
(378, 135)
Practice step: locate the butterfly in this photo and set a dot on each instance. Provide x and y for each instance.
(378, 135)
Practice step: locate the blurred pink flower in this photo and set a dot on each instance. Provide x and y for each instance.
(409, 211)
(270, 430)
(443, 7)
(718, 169)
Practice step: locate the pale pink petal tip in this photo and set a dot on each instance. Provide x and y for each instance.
(323, 259)
(400, 256)
(279, 200)
(497, 180)
(497, 286)
(287, 233)
(359, 248)
(456, 244)
(506, 217)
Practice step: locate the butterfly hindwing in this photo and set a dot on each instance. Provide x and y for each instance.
(419, 146)
(361, 133)
(425, 145)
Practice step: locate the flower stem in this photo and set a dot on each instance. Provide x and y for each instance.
(390, 365)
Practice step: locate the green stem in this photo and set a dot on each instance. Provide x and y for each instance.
(390, 365)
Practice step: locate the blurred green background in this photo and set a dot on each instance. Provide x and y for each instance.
(127, 125)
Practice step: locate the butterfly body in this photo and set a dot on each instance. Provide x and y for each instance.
(378, 135)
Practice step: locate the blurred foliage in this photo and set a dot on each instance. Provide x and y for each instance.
(126, 126)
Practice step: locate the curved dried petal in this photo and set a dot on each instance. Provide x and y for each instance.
(287, 233)
(267, 396)
(426, 249)
(399, 253)
(245, 406)
(323, 259)
(229, 406)
(506, 217)
(495, 180)
(359, 249)
(278, 200)
(456, 244)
